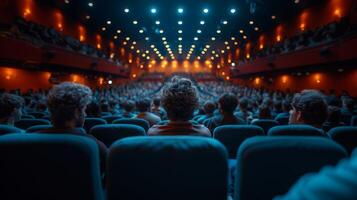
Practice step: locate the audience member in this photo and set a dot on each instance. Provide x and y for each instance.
(143, 107)
(10, 108)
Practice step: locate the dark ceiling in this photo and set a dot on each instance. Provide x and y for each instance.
(146, 33)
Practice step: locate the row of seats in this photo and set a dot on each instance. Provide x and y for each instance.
(40, 166)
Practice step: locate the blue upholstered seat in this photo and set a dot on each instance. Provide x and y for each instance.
(282, 120)
(345, 136)
(140, 122)
(27, 117)
(232, 136)
(27, 123)
(296, 130)
(109, 133)
(37, 128)
(37, 115)
(110, 118)
(91, 122)
(265, 124)
(268, 166)
(174, 168)
(41, 166)
(6, 129)
(354, 120)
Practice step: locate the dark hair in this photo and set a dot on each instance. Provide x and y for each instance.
(143, 105)
(179, 99)
(93, 109)
(228, 102)
(8, 103)
(129, 105)
(286, 105)
(312, 106)
(264, 112)
(209, 107)
(157, 102)
(334, 114)
(63, 100)
(243, 103)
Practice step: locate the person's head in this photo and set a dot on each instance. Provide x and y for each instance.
(67, 103)
(334, 114)
(143, 105)
(308, 107)
(209, 107)
(93, 109)
(228, 103)
(278, 106)
(157, 102)
(286, 105)
(10, 108)
(264, 112)
(129, 106)
(348, 103)
(179, 99)
(243, 104)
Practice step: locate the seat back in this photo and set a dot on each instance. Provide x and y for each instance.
(265, 124)
(135, 121)
(37, 128)
(91, 122)
(268, 166)
(282, 120)
(6, 129)
(110, 119)
(232, 136)
(354, 120)
(37, 115)
(345, 136)
(174, 168)
(27, 117)
(27, 123)
(41, 166)
(296, 130)
(109, 133)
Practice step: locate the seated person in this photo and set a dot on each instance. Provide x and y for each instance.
(10, 108)
(286, 106)
(157, 109)
(243, 112)
(308, 107)
(226, 105)
(179, 99)
(67, 103)
(128, 109)
(143, 107)
(208, 108)
(93, 110)
(263, 112)
(333, 118)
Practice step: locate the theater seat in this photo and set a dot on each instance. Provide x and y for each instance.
(37, 128)
(37, 115)
(172, 168)
(296, 130)
(265, 124)
(27, 123)
(27, 117)
(232, 136)
(91, 122)
(282, 120)
(6, 129)
(268, 166)
(110, 119)
(345, 136)
(140, 122)
(109, 133)
(42, 167)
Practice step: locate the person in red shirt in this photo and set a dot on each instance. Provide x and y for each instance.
(179, 99)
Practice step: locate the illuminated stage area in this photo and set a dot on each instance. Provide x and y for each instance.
(178, 100)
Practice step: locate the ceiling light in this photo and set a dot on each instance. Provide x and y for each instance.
(141, 31)
(233, 10)
(244, 37)
(146, 38)
(233, 38)
(135, 22)
(205, 10)
(241, 31)
(207, 46)
(109, 22)
(157, 22)
(195, 38)
(256, 29)
(115, 37)
(161, 31)
(118, 31)
(273, 17)
(180, 38)
(66, 1)
(199, 31)
(90, 4)
(153, 10)
(226, 42)
(126, 10)
(165, 42)
(213, 38)
(103, 29)
(87, 17)
(163, 38)
(251, 22)
(218, 31)
(134, 43)
(297, 1)
(179, 22)
(224, 22)
(179, 31)
(202, 22)
(152, 46)
(180, 10)
(127, 38)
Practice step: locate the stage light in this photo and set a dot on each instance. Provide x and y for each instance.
(180, 10)
(126, 10)
(205, 10)
(153, 10)
(202, 22)
(233, 10)
(157, 22)
(233, 38)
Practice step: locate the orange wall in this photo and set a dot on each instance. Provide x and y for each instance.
(338, 81)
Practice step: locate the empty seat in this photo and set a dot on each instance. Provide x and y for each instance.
(354, 120)
(174, 168)
(37, 115)
(345, 136)
(6, 129)
(268, 166)
(265, 124)
(140, 122)
(109, 133)
(282, 120)
(42, 167)
(296, 130)
(27, 123)
(232, 136)
(110, 119)
(91, 122)
(37, 128)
